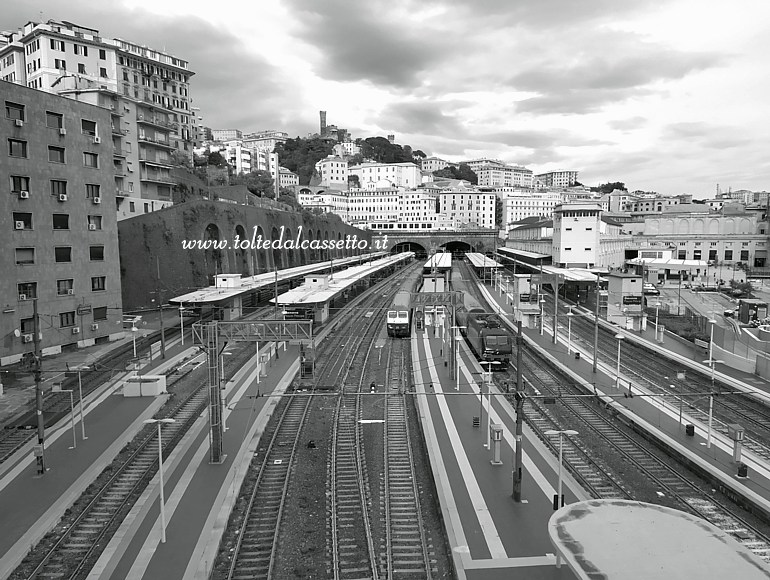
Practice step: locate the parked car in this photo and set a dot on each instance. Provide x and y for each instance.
(650, 289)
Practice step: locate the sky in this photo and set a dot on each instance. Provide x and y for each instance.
(663, 95)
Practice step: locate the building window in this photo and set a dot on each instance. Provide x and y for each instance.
(97, 283)
(25, 256)
(102, 54)
(55, 154)
(61, 221)
(131, 207)
(54, 120)
(27, 290)
(19, 183)
(14, 111)
(22, 217)
(91, 160)
(88, 127)
(103, 72)
(62, 254)
(60, 64)
(27, 325)
(81, 68)
(92, 190)
(64, 287)
(744, 255)
(96, 253)
(58, 187)
(95, 221)
(682, 255)
(67, 319)
(728, 255)
(17, 148)
(100, 313)
(712, 254)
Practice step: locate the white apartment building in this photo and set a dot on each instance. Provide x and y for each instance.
(384, 175)
(265, 140)
(521, 203)
(238, 157)
(333, 171)
(265, 161)
(226, 134)
(432, 164)
(56, 56)
(498, 174)
(559, 178)
(346, 149)
(328, 202)
(464, 208)
(287, 178)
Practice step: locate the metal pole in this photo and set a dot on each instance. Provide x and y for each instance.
(517, 460)
(457, 361)
(711, 414)
(489, 408)
(617, 371)
(569, 333)
(181, 323)
(162, 499)
(561, 445)
(82, 415)
(556, 310)
(596, 326)
(72, 419)
(160, 312)
(657, 307)
(38, 392)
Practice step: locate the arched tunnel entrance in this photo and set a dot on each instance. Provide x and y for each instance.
(457, 247)
(418, 249)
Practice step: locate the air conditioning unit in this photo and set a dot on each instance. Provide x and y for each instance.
(23, 195)
(26, 338)
(18, 122)
(97, 200)
(94, 326)
(70, 292)
(92, 227)
(97, 140)
(62, 197)
(62, 131)
(76, 330)
(22, 296)
(19, 225)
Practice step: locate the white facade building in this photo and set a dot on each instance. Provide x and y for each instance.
(333, 171)
(379, 175)
(498, 174)
(265, 140)
(523, 203)
(559, 178)
(346, 149)
(432, 164)
(463, 208)
(238, 157)
(287, 178)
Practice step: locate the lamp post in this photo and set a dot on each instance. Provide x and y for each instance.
(181, 322)
(80, 394)
(160, 475)
(617, 370)
(657, 327)
(550, 433)
(570, 314)
(134, 330)
(488, 375)
(542, 314)
(457, 356)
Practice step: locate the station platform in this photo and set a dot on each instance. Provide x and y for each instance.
(490, 535)
(660, 419)
(32, 504)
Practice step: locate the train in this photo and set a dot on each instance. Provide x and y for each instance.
(484, 332)
(399, 317)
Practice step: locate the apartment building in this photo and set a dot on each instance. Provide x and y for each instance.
(559, 178)
(346, 149)
(385, 175)
(265, 140)
(325, 200)
(519, 203)
(499, 174)
(55, 56)
(226, 134)
(432, 164)
(466, 208)
(333, 171)
(59, 226)
(287, 178)
(238, 156)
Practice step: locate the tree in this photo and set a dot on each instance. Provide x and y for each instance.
(461, 172)
(216, 159)
(356, 159)
(259, 183)
(300, 155)
(610, 187)
(353, 181)
(286, 195)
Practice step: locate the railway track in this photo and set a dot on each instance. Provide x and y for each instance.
(407, 549)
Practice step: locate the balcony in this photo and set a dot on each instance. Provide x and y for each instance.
(151, 159)
(120, 192)
(155, 141)
(156, 178)
(118, 152)
(119, 131)
(155, 121)
(115, 110)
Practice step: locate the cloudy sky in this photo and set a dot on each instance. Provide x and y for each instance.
(665, 95)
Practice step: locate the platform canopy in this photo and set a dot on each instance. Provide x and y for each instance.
(671, 264)
(478, 260)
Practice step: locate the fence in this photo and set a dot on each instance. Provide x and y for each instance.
(689, 325)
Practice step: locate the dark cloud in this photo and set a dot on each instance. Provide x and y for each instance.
(233, 87)
(367, 41)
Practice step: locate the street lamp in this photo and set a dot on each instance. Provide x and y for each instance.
(181, 321)
(488, 374)
(617, 371)
(223, 386)
(550, 433)
(657, 327)
(457, 356)
(570, 314)
(80, 393)
(134, 329)
(160, 475)
(542, 314)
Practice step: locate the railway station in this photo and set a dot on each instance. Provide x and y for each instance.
(321, 293)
